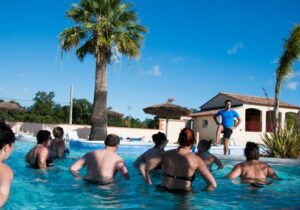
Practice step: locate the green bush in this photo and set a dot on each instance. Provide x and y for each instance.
(283, 143)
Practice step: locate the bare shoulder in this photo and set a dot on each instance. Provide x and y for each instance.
(5, 170)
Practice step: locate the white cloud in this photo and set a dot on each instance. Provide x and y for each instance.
(292, 85)
(155, 72)
(176, 59)
(237, 46)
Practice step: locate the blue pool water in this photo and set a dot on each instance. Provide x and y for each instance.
(56, 188)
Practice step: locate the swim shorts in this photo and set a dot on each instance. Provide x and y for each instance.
(227, 133)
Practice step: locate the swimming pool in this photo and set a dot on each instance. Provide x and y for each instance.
(56, 188)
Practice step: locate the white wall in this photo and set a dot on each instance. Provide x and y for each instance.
(174, 128)
(83, 130)
(239, 135)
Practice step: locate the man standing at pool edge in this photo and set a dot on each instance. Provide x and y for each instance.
(228, 117)
(102, 165)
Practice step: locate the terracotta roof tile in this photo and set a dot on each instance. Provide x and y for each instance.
(258, 100)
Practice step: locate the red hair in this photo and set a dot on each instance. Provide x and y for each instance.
(186, 137)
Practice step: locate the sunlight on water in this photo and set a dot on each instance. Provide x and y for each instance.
(56, 188)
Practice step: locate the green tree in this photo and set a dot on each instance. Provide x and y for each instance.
(42, 109)
(102, 26)
(82, 110)
(291, 53)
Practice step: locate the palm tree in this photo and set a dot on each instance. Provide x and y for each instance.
(291, 52)
(102, 26)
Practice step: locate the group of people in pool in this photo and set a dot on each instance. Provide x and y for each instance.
(178, 166)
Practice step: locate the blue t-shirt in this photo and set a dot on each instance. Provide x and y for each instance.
(227, 117)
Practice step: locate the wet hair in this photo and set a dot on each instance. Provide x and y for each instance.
(58, 132)
(203, 143)
(112, 140)
(7, 136)
(228, 100)
(43, 136)
(186, 137)
(159, 138)
(251, 151)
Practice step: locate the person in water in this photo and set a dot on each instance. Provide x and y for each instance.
(57, 146)
(102, 165)
(149, 160)
(252, 170)
(180, 165)
(7, 140)
(204, 154)
(39, 156)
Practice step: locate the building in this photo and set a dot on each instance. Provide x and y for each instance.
(257, 114)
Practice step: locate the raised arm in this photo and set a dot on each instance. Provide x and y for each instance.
(211, 183)
(272, 174)
(121, 168)
(218, 162)
(139, 160)
(6, 177)
(236, 172)
(75, 167)
(216, 118)
(238, 121)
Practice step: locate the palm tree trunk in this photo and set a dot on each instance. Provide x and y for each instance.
(99, 115)
(276, 105)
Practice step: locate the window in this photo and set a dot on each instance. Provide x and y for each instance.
(204, 123)
(270, 120)
(253, 120)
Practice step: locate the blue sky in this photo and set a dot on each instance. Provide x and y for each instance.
(193, 50)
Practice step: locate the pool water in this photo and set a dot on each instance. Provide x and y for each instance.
(56, 188)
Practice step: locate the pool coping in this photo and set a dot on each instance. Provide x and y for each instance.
(281, 161)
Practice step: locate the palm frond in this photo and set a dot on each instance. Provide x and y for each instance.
(86, 48)
(71, 37)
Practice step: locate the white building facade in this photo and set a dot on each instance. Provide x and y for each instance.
(257, 116)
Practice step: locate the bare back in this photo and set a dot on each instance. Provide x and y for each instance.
(252, 170)
(102, 165)
(182, 165)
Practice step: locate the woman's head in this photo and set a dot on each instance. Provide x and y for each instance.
(204, 145)
(7, 139)
(186, 137)
(159, 139)
(58, 132)
(43, 136)
(251, 151)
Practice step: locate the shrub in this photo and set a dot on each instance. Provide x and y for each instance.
(283, 143)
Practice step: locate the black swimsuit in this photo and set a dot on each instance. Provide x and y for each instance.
(49, 163)
(189, 178)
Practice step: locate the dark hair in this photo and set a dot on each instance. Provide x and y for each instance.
(43, 136)
(159, 138)
(203, 143)
(228, 100)
(112, 140)
(58, 132)
(7, 136)
(251, 151)
(186, 137)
